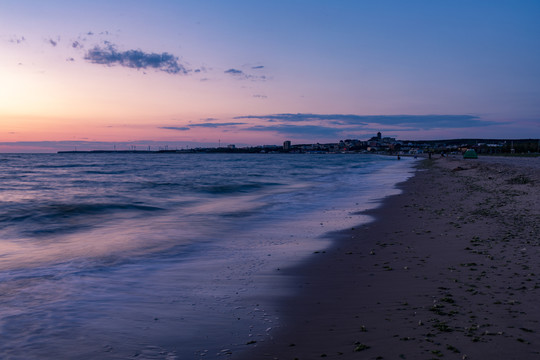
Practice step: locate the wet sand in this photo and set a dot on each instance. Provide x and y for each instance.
(450, 269)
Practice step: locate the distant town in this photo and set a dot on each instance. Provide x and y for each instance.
(377, 144)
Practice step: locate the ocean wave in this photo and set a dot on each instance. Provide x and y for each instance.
(49, 219)
(175, 243)
(164, 184)
(235, 188)
(68, 166)
(105, 172)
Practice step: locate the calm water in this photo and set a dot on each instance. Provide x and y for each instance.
(165, 256)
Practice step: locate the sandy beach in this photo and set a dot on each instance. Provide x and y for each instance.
(448, 270)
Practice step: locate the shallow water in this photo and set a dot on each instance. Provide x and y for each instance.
(165, 256)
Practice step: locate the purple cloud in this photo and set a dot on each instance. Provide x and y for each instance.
(216, 125)
(178, 128)
(17, 40)
(292, 130)
(239, 74)
(135, 59)
(234, 72)
(424, 122)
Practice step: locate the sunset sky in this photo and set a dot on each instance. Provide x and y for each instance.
(199, 73)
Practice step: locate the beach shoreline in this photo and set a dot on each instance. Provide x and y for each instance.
(447, 270)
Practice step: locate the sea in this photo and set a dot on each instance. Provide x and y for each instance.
(167, 255)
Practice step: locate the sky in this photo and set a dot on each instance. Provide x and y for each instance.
(130, 73)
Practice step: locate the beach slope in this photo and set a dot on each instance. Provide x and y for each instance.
(448, 270)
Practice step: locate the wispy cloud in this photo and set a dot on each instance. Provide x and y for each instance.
(241, 75)
(304, 130)
(136, 59)
(96, 47)
(208, 125)
(424, 122)
(178, 128)
(300, 117)
(235, 72)
(427, 122)
(216, 125)
(17, 40)
(52, 42)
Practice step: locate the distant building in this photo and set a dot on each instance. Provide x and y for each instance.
(287, 145)
(377, 138)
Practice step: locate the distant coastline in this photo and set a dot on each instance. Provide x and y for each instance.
(377, 145)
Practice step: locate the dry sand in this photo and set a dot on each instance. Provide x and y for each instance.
(449, 270)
